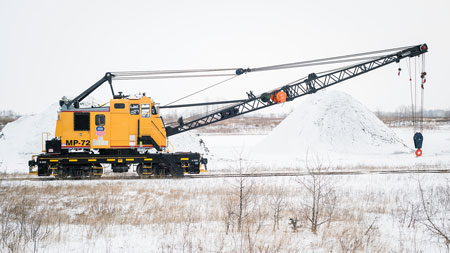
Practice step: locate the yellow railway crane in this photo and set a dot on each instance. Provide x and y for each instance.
(127, 131)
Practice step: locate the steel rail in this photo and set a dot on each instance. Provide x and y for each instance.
(248, 175)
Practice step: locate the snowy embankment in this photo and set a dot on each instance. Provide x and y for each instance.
(23, 138)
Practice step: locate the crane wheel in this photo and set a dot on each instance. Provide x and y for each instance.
(96, 171)
(139, 170)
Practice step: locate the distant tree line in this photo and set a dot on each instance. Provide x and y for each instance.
(404, 116)
(7, 116)
(8, 113)
(407, 112)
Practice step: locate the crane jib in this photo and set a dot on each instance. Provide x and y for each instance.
(308, 86)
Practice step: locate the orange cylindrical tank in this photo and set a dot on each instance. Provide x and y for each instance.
(278, 97)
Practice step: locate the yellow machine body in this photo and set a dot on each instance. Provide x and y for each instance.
(126, 123)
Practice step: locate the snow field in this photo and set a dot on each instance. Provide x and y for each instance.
(226, 149)
(191, 215)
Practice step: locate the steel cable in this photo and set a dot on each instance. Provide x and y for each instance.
(168, 77)
(290, 65)
(206, 88)
(158, 72)
(129, 75)
(422, 91)
(168, 74)
(413, 113)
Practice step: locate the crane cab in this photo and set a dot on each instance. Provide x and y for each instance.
(126, 124)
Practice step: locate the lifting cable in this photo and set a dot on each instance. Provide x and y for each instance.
(417, 120)
(423, 80)
(415, 89)
(413, 113)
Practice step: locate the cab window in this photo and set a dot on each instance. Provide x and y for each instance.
(100, 120)
(81, 121)
(119, 106)
(145, 110)
(134, 109)
(154, 111)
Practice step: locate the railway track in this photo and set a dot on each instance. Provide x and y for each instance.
(234, 175)
(331, 173)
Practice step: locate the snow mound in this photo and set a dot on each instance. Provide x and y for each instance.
(21, 139)
(332, 122)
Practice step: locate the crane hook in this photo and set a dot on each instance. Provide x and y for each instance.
(418, 141)
(418, 152)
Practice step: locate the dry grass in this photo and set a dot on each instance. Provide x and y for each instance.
(239, 125)
(38, 215)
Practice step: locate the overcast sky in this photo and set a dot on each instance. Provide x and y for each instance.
(50, 49)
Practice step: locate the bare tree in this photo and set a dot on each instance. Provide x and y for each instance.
(321, 201)
(244, 193)
(239, 204)
(229, 208)
(360, 237)
(277, 205)
(409, 213)
(436, 212)
(38, 229)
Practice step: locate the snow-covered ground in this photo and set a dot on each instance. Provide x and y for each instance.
(373, 213)
(226, 149)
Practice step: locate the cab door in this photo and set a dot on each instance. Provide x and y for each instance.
(134, 123)
(152, 132)
(100, 131)
(144, 124)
